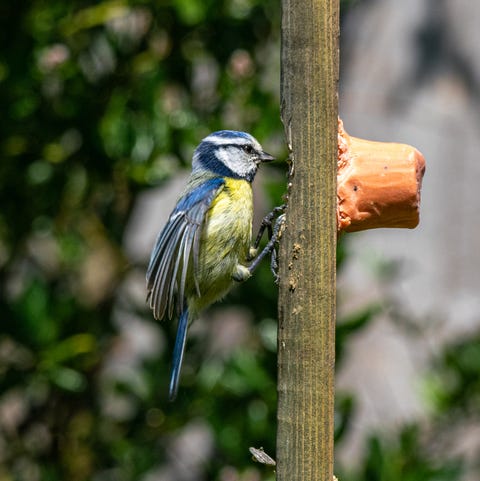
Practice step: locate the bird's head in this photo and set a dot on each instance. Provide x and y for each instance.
(229, 153)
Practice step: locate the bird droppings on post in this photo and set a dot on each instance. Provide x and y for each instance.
(297, 310)
(296, 250)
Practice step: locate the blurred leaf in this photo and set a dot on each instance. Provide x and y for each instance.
(68, 379)
(405, 459)
(68, 349)
(344, 412)
(454, 384)
(95, 15)
(33, 308)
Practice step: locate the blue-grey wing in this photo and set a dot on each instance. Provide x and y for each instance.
(177, 244)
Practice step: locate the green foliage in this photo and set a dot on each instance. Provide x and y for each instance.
(99, 102)
(404, 459)
(455, 382)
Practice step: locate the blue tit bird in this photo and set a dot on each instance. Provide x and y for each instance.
(205, 245)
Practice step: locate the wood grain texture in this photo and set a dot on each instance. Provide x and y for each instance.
(306, 331)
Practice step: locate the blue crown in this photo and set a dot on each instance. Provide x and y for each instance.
(231, 134)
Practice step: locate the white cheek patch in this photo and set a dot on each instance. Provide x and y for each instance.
(236, 161)
(223, 155)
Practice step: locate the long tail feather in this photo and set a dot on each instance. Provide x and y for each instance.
(178, 354)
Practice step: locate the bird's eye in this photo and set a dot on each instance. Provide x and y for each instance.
(248, 149)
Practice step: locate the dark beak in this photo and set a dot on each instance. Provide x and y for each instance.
(264, 157)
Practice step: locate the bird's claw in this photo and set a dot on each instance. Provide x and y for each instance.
(274, 235)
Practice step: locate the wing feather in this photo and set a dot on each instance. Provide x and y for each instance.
(187, 248)
(162, 242)
(161, 267)
(165, 274)
(176, 245)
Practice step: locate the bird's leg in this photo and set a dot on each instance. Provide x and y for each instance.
(276, 233)
(274, 264)
(266, 225)
(242, 273)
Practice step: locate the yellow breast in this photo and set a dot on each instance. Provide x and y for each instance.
(226, 240)
(229, 220)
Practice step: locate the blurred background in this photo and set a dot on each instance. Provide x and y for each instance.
(102, 104)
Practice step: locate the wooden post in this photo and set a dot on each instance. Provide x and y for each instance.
(306, 332)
